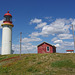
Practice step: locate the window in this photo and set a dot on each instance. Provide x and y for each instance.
(47, 49)
(7, 18)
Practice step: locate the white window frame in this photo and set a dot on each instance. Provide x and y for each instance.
(47, 50)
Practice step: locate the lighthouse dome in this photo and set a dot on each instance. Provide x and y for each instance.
(8, 14)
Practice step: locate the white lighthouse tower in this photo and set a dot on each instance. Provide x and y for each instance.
(7, 34)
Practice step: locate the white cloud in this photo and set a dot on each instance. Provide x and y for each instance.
(36, 21)
(73, 22)
(1, 21)
(58, 41)
(66, 43)
(25, 48)
(57, 45)
(59, 26)
(31, 39)
(34, 34)
(48, 17)
(65, 36)
(40, 25)
(54, 39)
(15, 47)
(29, 48)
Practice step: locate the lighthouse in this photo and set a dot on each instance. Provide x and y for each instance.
(7, 34)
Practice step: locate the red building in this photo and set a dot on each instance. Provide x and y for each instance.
(46, 48)
(69, 51)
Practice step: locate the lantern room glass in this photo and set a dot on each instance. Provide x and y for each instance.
(8, 18)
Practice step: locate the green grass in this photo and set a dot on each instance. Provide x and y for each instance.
(38, 64)
(63, 63)
(7, 56)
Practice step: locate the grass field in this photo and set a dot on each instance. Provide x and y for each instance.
(37, 64)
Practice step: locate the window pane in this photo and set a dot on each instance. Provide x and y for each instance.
(47, 48)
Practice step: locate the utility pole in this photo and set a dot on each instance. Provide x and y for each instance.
(20, 41)
(73, 36)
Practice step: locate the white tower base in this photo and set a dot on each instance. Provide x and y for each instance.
(6, 40)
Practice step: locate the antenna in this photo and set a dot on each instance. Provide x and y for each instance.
(20, 41)
(73, 36)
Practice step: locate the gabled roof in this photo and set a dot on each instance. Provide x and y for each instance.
(69, 50)
(45, 43)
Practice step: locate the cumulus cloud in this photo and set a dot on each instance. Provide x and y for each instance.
(40, 25)
(59, 26)
(36, 21)
(31, 39)
(58, 41)
(65, 36)
(66, 43)
(54, 39)
(73, 22)
(26, 48)
(57, 45)
(34, 34)
(29, 48)
(15, 47)
(49, 18)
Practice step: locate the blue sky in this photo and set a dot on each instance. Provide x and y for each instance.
(40, 20)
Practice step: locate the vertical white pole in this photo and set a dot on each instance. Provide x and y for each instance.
(73, 36)
(20, 41)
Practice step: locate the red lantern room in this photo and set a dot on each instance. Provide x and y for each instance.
(7, 19)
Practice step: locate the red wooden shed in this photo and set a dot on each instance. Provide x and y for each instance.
(46, 48)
